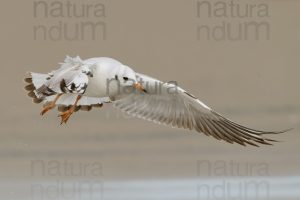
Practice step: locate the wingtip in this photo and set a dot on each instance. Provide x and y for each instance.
(286, 130)
(279, 132)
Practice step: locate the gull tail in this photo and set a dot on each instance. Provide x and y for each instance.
(34, 81)
(35, 86)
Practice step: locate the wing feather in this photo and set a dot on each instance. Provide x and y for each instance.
(183, 110)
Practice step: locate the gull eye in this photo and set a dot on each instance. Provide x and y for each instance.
(125, 78)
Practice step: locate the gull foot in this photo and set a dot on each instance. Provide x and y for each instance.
(66, 115)
(47, 108)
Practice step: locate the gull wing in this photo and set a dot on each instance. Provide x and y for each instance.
(168, 104)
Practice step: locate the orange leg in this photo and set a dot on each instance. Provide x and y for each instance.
(66, 115)
(51, 105)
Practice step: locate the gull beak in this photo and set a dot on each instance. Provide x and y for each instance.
(139, 87)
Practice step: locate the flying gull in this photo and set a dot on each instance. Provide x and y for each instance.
(83, 84)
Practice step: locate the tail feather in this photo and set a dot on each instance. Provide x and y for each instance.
(34, 82)
(39, 80)
(35, 85)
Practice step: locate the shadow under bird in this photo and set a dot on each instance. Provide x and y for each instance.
(83, 84)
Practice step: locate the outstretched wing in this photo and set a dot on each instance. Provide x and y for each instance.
(169, 104)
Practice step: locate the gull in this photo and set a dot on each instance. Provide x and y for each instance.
(85, 84)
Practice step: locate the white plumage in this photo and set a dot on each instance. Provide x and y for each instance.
(83, 84)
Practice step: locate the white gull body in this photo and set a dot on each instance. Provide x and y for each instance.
(105, 80)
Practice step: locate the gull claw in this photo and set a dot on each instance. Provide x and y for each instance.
(47, 108)
(65, 115)
(51, 105)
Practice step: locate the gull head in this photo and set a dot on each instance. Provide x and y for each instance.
(127, 78)
(123, 81)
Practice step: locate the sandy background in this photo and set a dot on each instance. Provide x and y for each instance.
(253, 82)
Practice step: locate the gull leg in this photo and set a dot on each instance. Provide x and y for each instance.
(66, 115)
(51, 105)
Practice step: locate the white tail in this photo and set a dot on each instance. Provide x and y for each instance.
(38, 79)
(35, 81)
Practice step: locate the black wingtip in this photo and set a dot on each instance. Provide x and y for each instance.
(286, 130)
(279, 132)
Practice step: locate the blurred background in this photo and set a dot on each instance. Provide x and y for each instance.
(239, 57)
